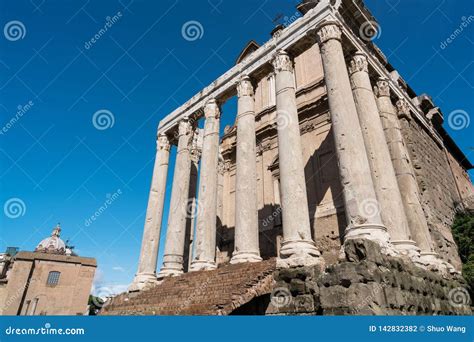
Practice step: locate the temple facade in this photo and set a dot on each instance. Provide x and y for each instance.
(329, 145)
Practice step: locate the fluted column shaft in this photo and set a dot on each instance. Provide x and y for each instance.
(205, 238)
(178, 212)
(404, 171)
(146, 273)
(383, 175)
(298, 247)
(246, 245)
(358, 188)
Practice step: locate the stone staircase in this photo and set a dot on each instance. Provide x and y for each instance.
(216, 292)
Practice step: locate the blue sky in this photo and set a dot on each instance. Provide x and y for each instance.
(61, 168)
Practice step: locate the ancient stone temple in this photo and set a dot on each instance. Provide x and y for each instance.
(336, 185)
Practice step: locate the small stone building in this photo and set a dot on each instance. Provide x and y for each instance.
(52, 280)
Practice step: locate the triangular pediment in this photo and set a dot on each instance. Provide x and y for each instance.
(251, 47)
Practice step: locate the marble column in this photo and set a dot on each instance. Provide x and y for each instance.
(246, 245)
(205, 239)
(388, 194)
(146, 274)
(297, 248)
(358, 188)
(404, 172)
(195, 156)
(178, 212)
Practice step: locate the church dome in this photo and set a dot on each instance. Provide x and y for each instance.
(52, 244)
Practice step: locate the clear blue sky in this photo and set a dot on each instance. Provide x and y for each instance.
(63, 168)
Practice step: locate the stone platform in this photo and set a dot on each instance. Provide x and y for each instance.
(366, 283)
(369, 283)
(216, 292)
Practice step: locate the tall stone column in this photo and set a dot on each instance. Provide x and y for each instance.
(297, 248)
(246, 246)
(205, 239)
(195, 156)
(358, 188)
(404, 172)
(175, 235)
(146, 274)
(388, 194)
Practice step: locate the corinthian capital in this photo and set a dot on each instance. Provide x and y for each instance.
(382, 88)
(245, 87)
(358, 63)
(282, 62)
(184, 127)
(403, 109)
(328, 30)
(162, 142)
(211, 109)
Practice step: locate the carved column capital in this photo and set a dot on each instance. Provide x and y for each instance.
(245, 87)
(184, 127)
(327, 31)
(282, 62)
(163, 142)
(382, 88)
(196, 145)
(211, 109)
(403, 109)
(358, 63)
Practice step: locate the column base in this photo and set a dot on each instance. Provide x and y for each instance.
(142, 281)
(172, 266)
(202, 265)
(241, 257)
(295, 253)
(374, 232)
(407, 248)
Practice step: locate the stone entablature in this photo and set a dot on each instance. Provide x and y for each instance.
(315, 93)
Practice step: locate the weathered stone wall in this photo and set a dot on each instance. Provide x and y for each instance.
(368, 283)
(463, 181)
(438, 190)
